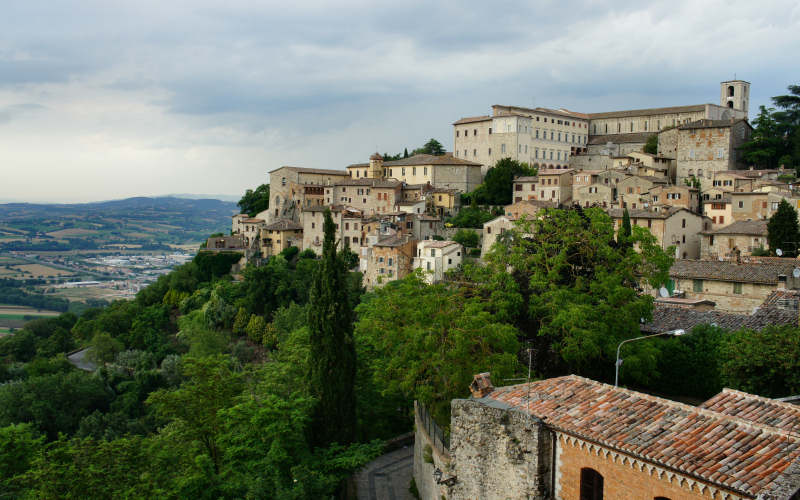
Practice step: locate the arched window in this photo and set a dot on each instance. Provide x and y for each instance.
(730, 90)
(730, 104)
(591, 484)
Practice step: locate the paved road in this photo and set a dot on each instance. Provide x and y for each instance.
(388, 476)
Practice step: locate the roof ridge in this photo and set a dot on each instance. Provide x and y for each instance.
(782, 404)
(684, 406)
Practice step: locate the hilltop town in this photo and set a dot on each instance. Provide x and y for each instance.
(693, 191)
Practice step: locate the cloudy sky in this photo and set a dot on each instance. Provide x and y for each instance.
(104, 99)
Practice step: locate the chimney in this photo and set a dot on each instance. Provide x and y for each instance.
(481, 385)
(782, 281)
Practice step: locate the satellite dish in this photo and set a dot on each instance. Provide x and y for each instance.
(778, 252)
(665, 293)
(796, 272)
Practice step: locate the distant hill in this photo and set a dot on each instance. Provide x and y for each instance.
(222, 197)
(151, 223)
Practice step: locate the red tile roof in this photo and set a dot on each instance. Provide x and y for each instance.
(732, 452)
(764, 411)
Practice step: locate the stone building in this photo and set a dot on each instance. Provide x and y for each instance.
(594, 195)
(553, 185)
(436, 258)
(719, 210)
(750, 206)
(675, 226)
(525, 188)
(390, 258)
(737, 287)
(493, 229)
(571, 438)
(541, 137)
(675, 196)
(349, 230)
(738, 238)
(709, 146)
(443, 171)
(632, 191)
(289, 186)
(528, 208)
(280, 235)
(369, 196)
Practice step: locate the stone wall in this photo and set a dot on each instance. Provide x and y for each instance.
(498, 453)
(590, 162)
(721, 292)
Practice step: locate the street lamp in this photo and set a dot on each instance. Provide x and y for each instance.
(674, 333)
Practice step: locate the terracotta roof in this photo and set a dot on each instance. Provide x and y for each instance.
(526, 178)
(252, 220)
(556, 171)
(670, 317)
(320, 171)
(392, 241)
(618, 213)
(523, 111)
(711, 124)
(682, 302)
(633, 137)
(283, 225)
(749, 227)
(376, 183)
(437, 244)
(782, 298)
(721, 449)
(423, 159)
(764, 411)
(752, 272)
(649, 111)
(472, 119)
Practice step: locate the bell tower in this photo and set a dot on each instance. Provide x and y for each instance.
(735, 94)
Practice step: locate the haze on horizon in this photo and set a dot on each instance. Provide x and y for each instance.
(101, 101)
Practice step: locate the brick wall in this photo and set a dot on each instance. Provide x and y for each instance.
(623, 477)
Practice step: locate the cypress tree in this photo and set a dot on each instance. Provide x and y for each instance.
(625, 232)
(405, 153)
(782, 230)
(333, 355)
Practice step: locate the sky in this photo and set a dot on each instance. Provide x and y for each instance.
(104, 99)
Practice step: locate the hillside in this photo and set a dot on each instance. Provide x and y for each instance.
(146, 223)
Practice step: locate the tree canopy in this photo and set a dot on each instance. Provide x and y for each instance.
(775, 140)
(256, 201)
(497, 187)
(783, 231)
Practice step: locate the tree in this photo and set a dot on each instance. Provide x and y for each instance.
(651, 146)
(466, 237)
(776, 136)
(432, 147)
(405, 152)
(333, 356)
(624, 233)
(104, 348)
(471, 216)
(694, 182)
(783, 231)
(562, 280)
(425, 342)
(765, 362)
(254, 202)
(210, 386)
(498, 185)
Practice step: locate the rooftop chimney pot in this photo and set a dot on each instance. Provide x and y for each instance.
(481, 385)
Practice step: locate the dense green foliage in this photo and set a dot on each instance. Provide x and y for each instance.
(283, 384)
(497, 187)
(783, 231)
(467, 238)
(651, 146)
(776, 136)
(254, 202)
(333, 355)
(472, 216)
(572, 290)
(432, 147)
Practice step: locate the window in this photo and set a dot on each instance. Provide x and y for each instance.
(490, 130)
(591, 484)
(741, 204)
(475, 132)
(456, 133)
(737, 288)
(474, 152)
(490, 151)
(697, 286)
(722, 219)
(389, 261)
(683, 223)
(502, 148)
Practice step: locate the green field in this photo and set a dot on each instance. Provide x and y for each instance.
(17, 316)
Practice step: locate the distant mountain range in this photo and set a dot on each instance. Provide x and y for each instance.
(144, 221)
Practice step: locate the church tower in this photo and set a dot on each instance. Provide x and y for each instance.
(735, 94)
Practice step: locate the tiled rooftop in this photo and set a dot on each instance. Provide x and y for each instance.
(649, 111)
(671, 317)
(753, 272)
(732, 452)
(764, 411)
(706, 123)
(473, 119)
(283, 225)
(635, 137)
(437, 243)
(751, 227)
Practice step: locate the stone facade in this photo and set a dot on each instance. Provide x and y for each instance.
(675, 196)
(600, 195)
(709, 146)
(729, 296)
(499, 454)
(493, 229)
(541, 137)
(389, 259)
(370, 196)
(288, 186)
(436, 258)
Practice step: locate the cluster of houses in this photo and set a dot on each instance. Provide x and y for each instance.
(695, 195)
